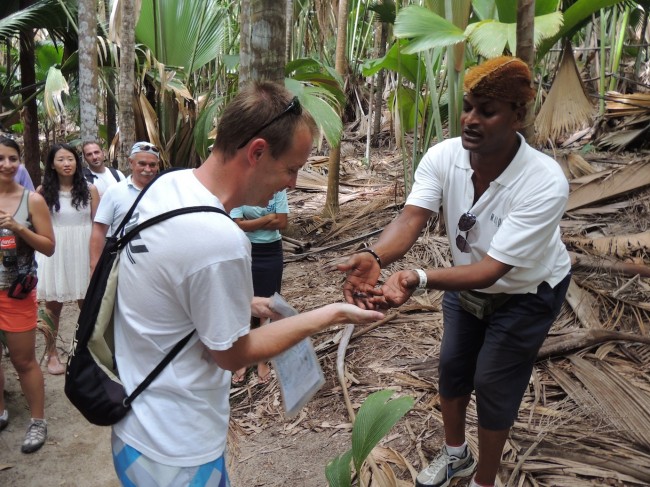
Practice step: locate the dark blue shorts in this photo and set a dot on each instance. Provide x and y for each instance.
(494, 356)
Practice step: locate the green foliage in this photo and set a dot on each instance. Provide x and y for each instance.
(338, 472)
(396, 60)
(427, 29)
(575, 17)
(376, 416)
(182, 34)
(488, 37)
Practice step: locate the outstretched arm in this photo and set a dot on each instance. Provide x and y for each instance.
(268, 341)
(363, 270)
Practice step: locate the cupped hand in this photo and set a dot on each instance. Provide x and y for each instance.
(362, 274)
(349, 313)
(397, 289)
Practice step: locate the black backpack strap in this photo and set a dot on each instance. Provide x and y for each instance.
(114, 172)
(122, 241)
(88, 174)
(129, 213)
(154, 373)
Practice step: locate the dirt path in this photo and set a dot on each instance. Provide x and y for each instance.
(76, 453)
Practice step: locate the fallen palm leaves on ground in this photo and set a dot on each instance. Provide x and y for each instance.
(585, 419)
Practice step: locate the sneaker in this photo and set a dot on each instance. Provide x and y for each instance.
(4, 419)
(445, 468)
(35, 436)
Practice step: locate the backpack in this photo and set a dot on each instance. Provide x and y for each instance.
(92, 382)
(90, 176)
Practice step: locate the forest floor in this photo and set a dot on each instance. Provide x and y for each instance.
(265, 449)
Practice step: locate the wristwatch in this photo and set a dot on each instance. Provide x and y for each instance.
(422, 285)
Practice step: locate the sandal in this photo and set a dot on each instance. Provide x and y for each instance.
(238, 378)
(56, 368)
(35, 436)
(264, 378)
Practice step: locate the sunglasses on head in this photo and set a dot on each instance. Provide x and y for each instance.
(145, 148)
(293, 107)
(466, 222)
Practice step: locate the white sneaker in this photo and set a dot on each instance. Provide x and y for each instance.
(35, 436)
(445, 468)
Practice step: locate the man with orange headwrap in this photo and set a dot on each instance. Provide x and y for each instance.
(502, 202)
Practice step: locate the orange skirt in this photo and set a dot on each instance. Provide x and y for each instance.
(18, 315)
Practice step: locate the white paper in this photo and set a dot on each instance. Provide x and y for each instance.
(298, 371)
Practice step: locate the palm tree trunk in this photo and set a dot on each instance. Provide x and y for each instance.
(88, 69)
(126, 117)
(111, 101)
(31, 153)
(263, 40)
(526, 52)
(381, 77)
(333, 176)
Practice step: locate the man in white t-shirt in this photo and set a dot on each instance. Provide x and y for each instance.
(502, 202)
(118, 198)
(192, 274)
(97, 172)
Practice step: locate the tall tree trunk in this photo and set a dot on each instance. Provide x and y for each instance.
(111, 102)
(526, 52)
(262, 40)
(381, 77)
(289, 31)
(88, 97)
(29, 114)
(126, 117)
(333, 176)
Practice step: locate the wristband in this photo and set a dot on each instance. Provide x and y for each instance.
(423, 278)
(373, 253)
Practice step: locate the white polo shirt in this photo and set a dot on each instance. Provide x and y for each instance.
(517, 217)
(116, 201)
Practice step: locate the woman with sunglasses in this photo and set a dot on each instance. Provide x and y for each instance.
(27, 227)
(502, 202)
(262, 226)
(72, 202)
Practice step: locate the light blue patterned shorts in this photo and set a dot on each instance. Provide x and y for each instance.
(135, 470)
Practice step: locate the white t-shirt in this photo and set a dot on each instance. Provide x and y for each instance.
(517, 217)
(115, 202)
(191, 272)
(103, 180)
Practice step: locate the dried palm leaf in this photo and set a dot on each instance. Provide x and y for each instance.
(607, 184)
(566, 108)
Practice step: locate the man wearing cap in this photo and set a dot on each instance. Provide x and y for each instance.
(502, 202)
(97, 173)
(118, 198)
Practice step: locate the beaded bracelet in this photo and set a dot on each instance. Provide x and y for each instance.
(373, 253)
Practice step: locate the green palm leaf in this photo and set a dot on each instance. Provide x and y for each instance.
(181, 33)
(319, 102)
(574, 17)
(44, 14)
(338, 473)
(490, 37)
(427, 29)
(377, 415)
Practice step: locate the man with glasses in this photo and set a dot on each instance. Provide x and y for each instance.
(192, 277)
(502, 202)
(118, 198)
(97, 172)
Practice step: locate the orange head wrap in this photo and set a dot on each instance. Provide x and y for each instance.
(505, 78)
